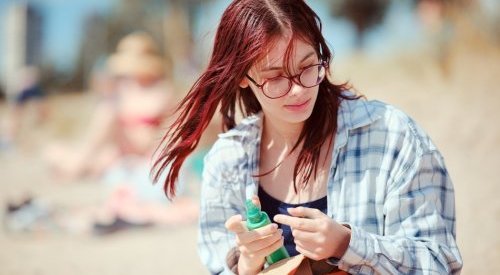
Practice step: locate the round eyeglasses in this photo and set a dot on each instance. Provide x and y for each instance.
(279, 86)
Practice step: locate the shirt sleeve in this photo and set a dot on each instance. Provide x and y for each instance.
(419, 221)
(222, 196)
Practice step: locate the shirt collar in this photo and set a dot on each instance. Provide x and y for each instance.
(353, 114)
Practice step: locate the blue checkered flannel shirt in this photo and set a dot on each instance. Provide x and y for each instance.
(387, 181)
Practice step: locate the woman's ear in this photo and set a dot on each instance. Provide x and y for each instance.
(244, 83)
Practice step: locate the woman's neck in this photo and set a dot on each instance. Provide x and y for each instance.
(277, 132)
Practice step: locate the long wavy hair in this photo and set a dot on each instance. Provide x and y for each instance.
(247, 30)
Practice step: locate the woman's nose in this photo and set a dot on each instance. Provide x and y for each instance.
(296, 89)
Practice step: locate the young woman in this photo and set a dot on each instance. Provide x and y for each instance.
(353, 182)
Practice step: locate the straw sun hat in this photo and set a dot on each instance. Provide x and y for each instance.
(137, 56)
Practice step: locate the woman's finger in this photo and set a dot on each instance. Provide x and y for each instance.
(256, 201)
(236, 224)
(259, 233)
(257, 245)
(313, 249)
(307, 236)
(306, 212)
(267, 250)
(296, 223)
(307, 253)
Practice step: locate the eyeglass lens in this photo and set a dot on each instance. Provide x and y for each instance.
(308, 78)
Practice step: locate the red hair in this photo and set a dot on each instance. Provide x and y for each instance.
(247, 29)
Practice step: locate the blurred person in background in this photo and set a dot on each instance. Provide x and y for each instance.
(25, 93)
(136, 99)
(352, 183)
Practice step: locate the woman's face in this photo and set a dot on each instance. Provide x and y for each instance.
(297, 105)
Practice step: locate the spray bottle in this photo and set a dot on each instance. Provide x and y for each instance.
(257, 219)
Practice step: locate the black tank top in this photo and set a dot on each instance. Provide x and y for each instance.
(274, 206)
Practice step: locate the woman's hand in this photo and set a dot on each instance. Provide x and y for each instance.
(254, 245)
(317, 236)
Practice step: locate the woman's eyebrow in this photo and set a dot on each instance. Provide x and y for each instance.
(274, 68)
(307, 56)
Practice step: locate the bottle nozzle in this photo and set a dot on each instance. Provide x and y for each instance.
(253, 212)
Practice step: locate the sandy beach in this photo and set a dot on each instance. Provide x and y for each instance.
(459, 108)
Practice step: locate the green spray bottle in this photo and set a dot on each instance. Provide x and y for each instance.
(257, 219)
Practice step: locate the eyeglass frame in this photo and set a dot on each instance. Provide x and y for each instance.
(292, 78)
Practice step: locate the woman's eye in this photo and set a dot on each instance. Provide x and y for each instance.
(309, 64)
(271, 77)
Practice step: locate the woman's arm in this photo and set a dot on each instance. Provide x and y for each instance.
(419, 235)
(419, 225)
(222, 197)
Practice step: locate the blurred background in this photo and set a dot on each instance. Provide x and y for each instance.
(87, 89)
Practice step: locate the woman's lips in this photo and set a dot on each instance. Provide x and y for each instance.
(298, 107)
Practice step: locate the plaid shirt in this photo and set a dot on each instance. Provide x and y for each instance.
(387, 181)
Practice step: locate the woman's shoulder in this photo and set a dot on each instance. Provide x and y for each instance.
(247, 131)
(238, 142)
(357, 112)
(375, 115)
